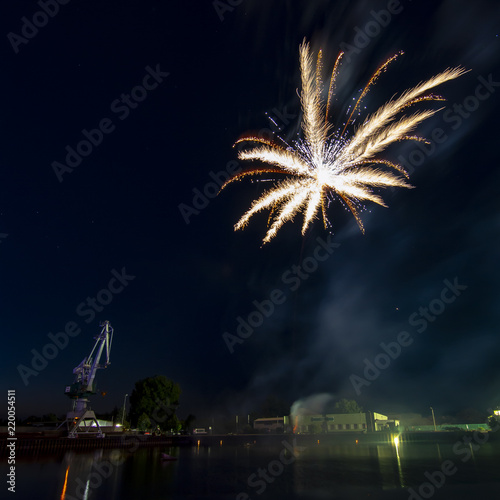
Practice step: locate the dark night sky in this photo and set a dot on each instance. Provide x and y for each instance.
(60, 241)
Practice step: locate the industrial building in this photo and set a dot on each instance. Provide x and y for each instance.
(343, 422)
(276, 424)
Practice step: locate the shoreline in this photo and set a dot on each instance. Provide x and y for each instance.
(49, 442)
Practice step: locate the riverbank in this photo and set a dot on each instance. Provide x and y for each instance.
(48, 442)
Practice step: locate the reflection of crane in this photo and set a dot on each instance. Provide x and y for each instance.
(84, 385)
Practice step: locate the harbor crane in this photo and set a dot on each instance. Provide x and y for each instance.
(82, 418)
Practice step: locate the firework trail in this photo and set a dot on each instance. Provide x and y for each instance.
(326, 164)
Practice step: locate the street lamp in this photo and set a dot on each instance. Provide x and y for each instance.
(123, 412)
(433, 419)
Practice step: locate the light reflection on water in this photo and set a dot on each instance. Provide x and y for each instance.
(250, 471)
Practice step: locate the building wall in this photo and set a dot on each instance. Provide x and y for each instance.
(270, 424)
(341, 422)
(332, 422)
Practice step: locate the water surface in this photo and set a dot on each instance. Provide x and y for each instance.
(277, 471)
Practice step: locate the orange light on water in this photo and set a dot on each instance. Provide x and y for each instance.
(63, 494)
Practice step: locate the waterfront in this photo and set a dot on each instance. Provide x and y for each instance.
(278, 469)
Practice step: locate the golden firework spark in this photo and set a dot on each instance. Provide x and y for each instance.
(325, 164)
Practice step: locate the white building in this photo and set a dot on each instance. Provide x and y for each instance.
(342, 422)
(271, 424)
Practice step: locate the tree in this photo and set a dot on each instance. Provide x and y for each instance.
(158, 398)
(493, 422)
(347, 406)
(144, 423)
(188, 423)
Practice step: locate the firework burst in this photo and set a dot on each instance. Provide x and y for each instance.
(326, 164)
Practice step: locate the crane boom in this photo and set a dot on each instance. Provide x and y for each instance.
(103, 340)
(86, 371)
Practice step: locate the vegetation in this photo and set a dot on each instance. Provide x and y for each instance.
(347, 406)
(48, 417)
(494, 422)
(157, 398)
(188, 424)
(144, 423)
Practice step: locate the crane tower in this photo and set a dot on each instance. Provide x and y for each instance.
(82, 417)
